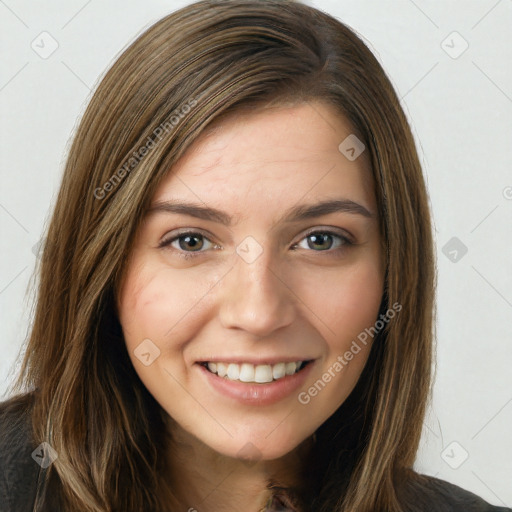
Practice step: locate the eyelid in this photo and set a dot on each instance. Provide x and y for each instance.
(173, 235)
(342, 233)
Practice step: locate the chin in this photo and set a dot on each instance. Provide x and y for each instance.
(257, 446)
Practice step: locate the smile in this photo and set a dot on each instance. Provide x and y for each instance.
(261, 373)
(256, 384)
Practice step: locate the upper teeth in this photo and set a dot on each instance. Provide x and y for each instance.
(247, 372)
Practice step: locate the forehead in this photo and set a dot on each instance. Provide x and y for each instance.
(272, 156)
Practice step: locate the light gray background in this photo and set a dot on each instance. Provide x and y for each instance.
(460, 107)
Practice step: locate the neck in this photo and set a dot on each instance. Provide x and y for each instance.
(205, 481)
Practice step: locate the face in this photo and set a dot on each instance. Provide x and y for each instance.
(261, 250)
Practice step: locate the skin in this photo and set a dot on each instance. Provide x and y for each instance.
(297, 298)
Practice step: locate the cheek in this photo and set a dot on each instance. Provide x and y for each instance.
(348, 306)
(360, 296)
(161, 305)
(346, 302)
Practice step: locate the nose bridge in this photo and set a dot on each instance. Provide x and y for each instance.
(254, 297)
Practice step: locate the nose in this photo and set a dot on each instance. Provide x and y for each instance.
(256, 297)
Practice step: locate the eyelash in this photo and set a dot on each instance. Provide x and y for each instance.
(166, 242)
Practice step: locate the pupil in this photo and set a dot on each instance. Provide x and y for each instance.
(192, 241)
(319, 239)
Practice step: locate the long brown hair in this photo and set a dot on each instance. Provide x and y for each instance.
(212, 59)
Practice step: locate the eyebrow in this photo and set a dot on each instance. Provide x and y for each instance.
(294, 214)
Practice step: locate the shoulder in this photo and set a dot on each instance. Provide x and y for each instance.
(433, 495)
(19, 472)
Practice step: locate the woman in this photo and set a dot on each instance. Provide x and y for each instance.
(235, 306)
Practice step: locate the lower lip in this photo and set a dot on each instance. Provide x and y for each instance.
(257, 394)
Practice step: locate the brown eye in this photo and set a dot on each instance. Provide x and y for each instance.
(321, 241)
(187, 244)
(193, 243)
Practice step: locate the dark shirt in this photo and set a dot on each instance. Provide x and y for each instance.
(21, 475)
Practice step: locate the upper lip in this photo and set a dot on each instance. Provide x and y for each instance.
(255, 361)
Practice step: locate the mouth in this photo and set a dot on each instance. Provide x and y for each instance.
(255, 374)
(262, 384)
